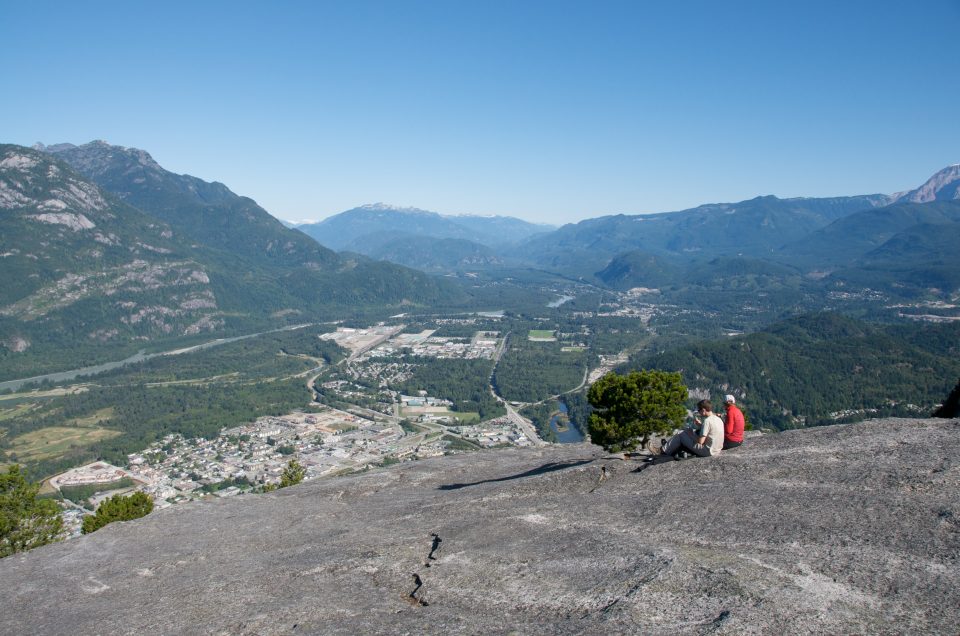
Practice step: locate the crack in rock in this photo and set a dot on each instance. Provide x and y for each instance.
(717, 622)
(433, 548)
(412, 598)
(604, 476)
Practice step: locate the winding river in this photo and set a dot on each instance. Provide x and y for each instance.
(571, 435)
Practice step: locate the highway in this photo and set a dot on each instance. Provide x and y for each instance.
(521, 422)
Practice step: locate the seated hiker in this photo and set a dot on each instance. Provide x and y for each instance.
(733, 424)
(705, 441)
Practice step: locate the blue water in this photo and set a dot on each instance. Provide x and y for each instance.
(572, 435)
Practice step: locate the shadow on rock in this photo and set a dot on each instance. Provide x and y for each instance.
(540, 470)
(656, 461)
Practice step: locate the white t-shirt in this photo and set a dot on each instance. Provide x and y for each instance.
(713, 429)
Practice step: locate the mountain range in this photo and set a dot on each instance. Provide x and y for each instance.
(422, 239)
(103, 250)
(832, 238)
(843, 238)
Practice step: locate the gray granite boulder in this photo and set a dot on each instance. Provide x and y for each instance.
(843, 529)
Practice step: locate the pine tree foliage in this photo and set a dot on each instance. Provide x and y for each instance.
(26, 521)
(293, 474)
(628, 409)
(118, 508)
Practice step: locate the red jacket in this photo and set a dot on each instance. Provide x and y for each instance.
(733, 425)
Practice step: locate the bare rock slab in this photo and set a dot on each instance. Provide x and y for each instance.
(844, 529)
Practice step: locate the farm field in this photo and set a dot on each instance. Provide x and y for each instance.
(16, 411)
(53, 441)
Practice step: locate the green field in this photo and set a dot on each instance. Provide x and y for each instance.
(464, 417)
(540, 334)
(94, 419)
(54, 441)
(16, 411)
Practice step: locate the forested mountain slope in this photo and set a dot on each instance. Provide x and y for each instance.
(353, 229)
(423, 252)
(850, 238)
(216, 217)
(92, 277)
(820, 368)
(755, 228)
(207, 212)
(83, 268)
(921, 259)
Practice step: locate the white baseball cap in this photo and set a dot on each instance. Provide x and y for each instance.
(729, 399)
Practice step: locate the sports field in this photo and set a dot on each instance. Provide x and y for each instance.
(540, 334)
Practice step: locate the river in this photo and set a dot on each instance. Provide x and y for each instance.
(63, 376)
(571, 435)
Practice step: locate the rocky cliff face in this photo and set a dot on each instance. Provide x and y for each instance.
(943, 186)
(66, 245)
(845, 529)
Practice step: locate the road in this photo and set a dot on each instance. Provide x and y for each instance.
(521, 422)
(375, 343)
(64, 376)
(524, 424)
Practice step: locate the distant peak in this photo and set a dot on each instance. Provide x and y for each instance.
(384, 207)
(943, 185)
(52, 148)
(99, 152)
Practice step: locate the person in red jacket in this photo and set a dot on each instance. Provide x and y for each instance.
(733, 424)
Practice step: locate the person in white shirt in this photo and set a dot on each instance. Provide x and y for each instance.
(705, 441)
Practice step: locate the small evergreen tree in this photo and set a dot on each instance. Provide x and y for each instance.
(293, 474)
(118, 508)
(26, 522)
(628, 409)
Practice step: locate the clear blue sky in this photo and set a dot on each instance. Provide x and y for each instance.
(549, 111)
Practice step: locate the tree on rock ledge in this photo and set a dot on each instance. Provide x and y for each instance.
(293, 474)
(628, 409)
(26, 522)
(118, 508)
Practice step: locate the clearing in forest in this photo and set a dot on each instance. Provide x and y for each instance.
(541, 335)
(53, 441)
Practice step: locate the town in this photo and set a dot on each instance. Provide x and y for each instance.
(243, 459)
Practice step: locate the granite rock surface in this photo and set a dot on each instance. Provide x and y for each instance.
(844, 529)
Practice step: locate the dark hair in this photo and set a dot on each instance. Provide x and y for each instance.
(705, 405)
